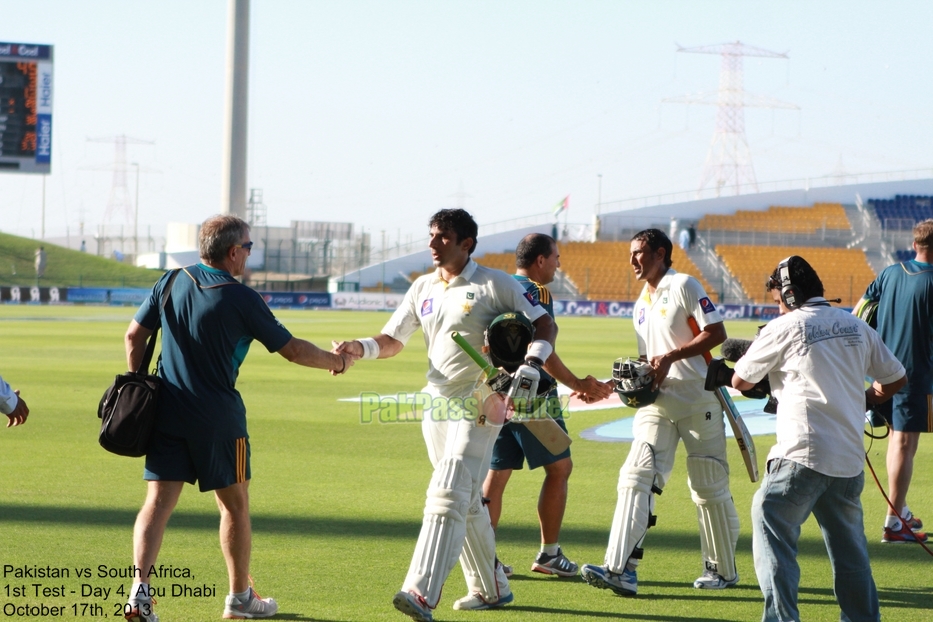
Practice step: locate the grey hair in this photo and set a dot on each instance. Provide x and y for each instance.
(218, 234)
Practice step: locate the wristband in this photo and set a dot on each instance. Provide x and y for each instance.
(539, 349)
(370, 348)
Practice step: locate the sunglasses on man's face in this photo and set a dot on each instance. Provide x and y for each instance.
(248, 246)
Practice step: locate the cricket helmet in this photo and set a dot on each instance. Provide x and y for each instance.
(507, 340)
(632, 381)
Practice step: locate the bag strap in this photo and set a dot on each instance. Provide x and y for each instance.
(150, 346)
(203, 287)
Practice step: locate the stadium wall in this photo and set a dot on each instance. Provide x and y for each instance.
(350, 301)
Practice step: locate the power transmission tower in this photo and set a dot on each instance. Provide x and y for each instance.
(729, 161)
(460, 195)
(119, 199)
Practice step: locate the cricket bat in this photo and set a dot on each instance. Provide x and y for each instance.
(545, 429)
(739, 430)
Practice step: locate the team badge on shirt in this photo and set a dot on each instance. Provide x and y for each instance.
(427, 307)
(531, 299)
(641, 315)
(707, 305)
(470, 295)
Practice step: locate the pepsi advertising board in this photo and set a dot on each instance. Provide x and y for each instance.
(25, 108)
(296, 300)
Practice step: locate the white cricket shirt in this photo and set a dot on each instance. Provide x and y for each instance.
(661, 321)
(467, 305)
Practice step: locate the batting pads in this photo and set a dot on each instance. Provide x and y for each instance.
(442, 530)
(479, 556)
(633, 515)
(719, 522)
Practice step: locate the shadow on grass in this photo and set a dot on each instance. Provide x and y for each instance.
(358, 528)
(591, 615)
(325, 526)
(350, 527)
(354, 527)
(893, 598)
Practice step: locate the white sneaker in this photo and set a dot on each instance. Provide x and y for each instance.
(414, 606)
(714, 581)
(623, 584)
(252, 607)
(475, 602)
(140, 611)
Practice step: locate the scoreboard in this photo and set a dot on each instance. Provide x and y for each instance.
(25, 108)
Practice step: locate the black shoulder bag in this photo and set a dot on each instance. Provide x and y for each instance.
(129, 406)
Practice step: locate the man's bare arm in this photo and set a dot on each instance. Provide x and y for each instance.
(545, 329)
(711, 336)
(302, 352)
(878, 393)
(590, 387)
(388, 347)
(135, 341)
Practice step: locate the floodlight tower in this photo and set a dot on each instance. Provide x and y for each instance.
(233, 182)
(729, 161)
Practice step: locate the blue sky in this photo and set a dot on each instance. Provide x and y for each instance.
(380, 113)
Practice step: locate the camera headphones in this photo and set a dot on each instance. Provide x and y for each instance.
(791, 295)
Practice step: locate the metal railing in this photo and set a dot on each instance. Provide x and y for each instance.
(808, 183)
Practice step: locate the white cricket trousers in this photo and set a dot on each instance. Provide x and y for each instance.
(462, 439)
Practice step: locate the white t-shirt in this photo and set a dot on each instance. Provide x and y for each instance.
(816, 359)
(662, 324)
(467, 305)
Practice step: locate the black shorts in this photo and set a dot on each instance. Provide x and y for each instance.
(516, 444)
(909, 412)
(213, 464)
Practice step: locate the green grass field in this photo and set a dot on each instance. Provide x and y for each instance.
(337, 504)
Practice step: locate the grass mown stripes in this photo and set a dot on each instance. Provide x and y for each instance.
(337, 503)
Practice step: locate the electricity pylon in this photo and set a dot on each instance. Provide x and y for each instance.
(119, 199)
(729, 161)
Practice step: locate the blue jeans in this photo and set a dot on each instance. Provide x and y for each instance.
(788, 494)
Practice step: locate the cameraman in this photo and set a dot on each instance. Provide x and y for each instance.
(816, 358)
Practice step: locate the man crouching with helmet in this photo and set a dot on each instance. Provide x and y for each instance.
(676, 324)
(816, 359)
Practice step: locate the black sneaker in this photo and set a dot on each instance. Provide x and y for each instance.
(554, 564)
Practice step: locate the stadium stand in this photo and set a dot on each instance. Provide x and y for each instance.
(601, 270)
(903, 211)
(499, 261)
(845, 272)
(803, 220)
(748, 244)
(904, 255)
